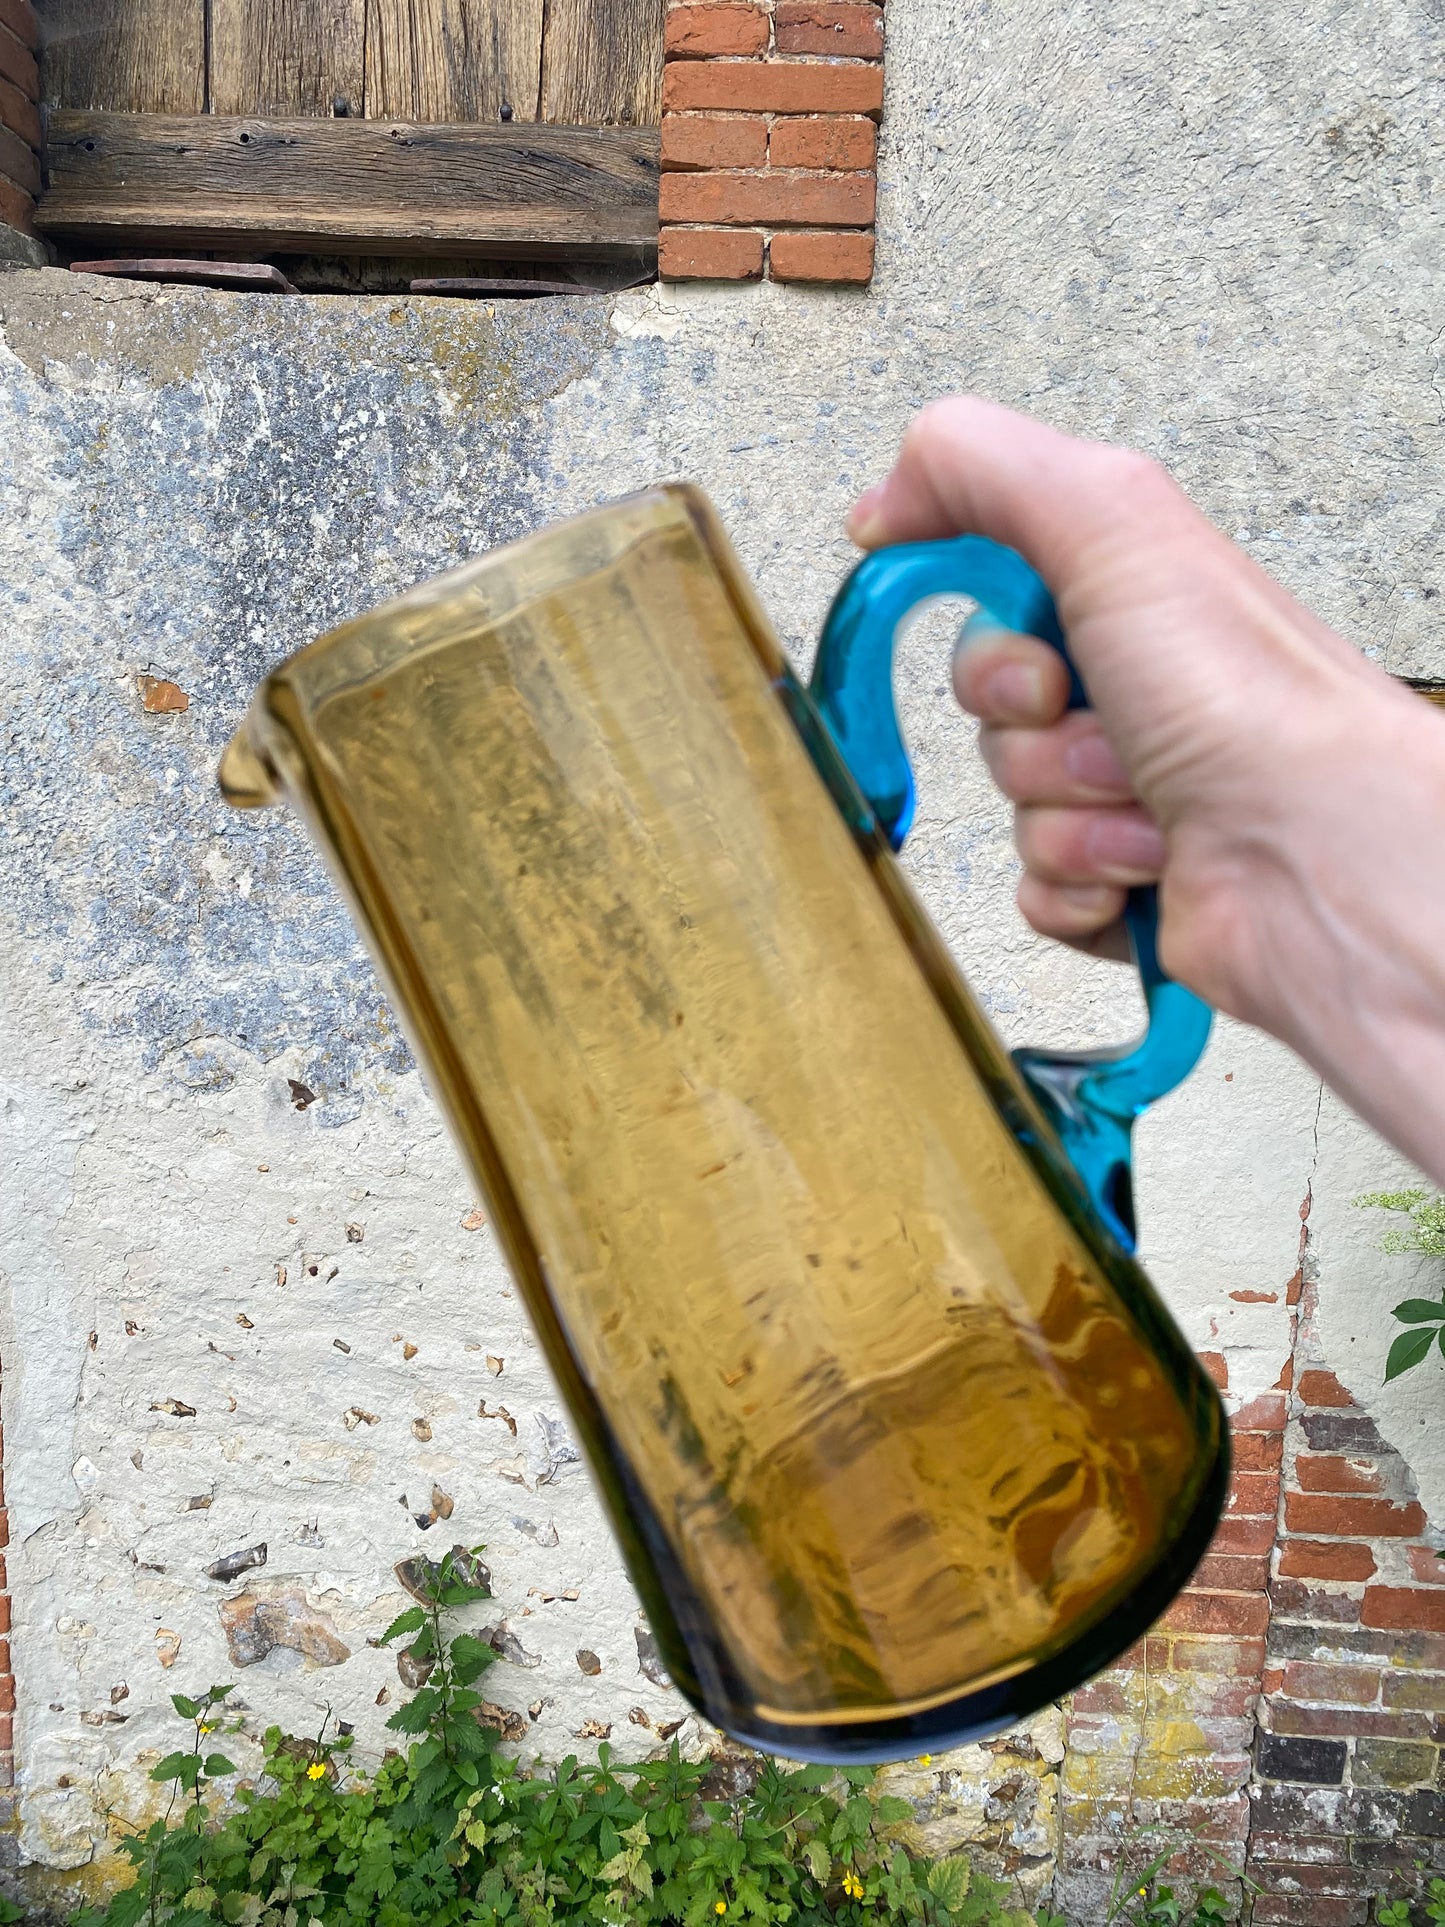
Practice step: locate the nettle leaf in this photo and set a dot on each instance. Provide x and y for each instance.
(470, 1657)
(1419, 1311)
(188, 1709)
(171, 1767)
(1407, 1352)
(217, 1765)
(892, 1811)
(949, 1882)
(411, 1621)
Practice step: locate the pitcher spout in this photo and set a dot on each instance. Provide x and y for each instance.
(247, 776)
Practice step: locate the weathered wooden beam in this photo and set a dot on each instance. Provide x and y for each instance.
(347, 186)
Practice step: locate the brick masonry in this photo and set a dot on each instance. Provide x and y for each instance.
(1286, 1717)
(19, 114)
(770, 140)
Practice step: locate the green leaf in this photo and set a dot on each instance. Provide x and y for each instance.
(892, 1811)
(1418, 1311)
(470, 1657)
(414, 1618)
(1406, 1352)
(217, 1765)
(949, 1881)
(170, 1767)
(188, 1709)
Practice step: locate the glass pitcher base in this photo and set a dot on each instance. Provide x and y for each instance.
(1002, 1702)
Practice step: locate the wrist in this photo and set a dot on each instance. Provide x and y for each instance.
(1329, 908)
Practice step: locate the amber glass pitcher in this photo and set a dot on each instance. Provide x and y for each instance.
(897, 1437)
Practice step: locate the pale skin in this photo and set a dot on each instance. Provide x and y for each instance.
(1287, 796)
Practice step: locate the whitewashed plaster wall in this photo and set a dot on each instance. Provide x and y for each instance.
(1206, 229)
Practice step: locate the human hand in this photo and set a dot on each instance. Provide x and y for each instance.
(1282, 791)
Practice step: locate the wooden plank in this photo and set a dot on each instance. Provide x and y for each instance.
(244, 276)
(128, 56)
(365, 187)
(602, 63)
(453, 59)
(287, 57)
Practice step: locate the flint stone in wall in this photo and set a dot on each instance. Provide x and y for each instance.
(255, 1624)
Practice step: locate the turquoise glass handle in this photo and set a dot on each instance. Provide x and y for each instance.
(1091, 1097)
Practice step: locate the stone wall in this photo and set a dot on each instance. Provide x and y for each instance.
(249, 1298)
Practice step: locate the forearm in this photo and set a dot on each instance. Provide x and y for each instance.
(1340, 945)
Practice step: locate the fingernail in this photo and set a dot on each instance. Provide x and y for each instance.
(1092, 763)
(1126, 847)
(864, 520)
(1014, 690)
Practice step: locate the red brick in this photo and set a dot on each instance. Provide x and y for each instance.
(715, 140)
(1404, 1608)
(17, 64)
(1309, 1910)
(1263, 1414)
(1295, 1599)
(1322, 1388)
(1272, 1680)
(1243, 1535)
(7, 1693)
(1223, 1699)
(1229, 1658)
(1426, 1565)
(703, 32)
(1295, 1849)
(1217, 1366)
(772, 87)
(4, 1527)
(4, 1612)
(19, 17)
(1099, 1696)
(1327, 1894)
(830, 29)
(1254, 1494)
(832, 140)
(1329, 1472)
(16, 209)
(18, 162)
(771, 199)
(1232, 1572)
(1325, 1559)
(822, 257)
(1257, 1451)
(709, 254)
(1348, 1722)
(19, 114)
(1316, 1513)
(7, 1733)
(1218, 1612)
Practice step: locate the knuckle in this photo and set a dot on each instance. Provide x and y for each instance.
(1137, 478)
(938, 422)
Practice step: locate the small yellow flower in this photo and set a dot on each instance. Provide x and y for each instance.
(925, 1759)
(721, 1907)
(852, 1886)
(208, 1726)
(316, 1771)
